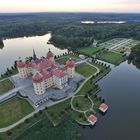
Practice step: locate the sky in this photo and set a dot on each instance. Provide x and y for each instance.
(126, 6)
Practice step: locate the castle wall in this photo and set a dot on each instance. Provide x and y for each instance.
(39, 88)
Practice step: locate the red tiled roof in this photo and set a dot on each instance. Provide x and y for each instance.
(92, 118)
(20, 64)
(37, 78)
(46, 74)
(103, 106)
(49, 54)
(70, 63)
(59, 73)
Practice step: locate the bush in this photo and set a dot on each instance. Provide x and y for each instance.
(40, 111)
(27, 121)
(9, 133)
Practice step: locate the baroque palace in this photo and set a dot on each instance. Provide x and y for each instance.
(46, 72)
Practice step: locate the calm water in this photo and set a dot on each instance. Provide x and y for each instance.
(121, 90)
(22, 47)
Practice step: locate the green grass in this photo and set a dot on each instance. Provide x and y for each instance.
(63, 59)
(111, 57)
(85, 70)
(87, 88)
(79, 117)
(13, 110)
(89, 50)
(18, 130)
(5, 86)
(44, 130)
(81, 103)
(58, 112)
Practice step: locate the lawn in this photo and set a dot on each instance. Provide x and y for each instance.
(5, 86)
(81, 103)
(89, 50)
(79, 117)
(88, 87)
(85, 70)
(13, 110)
(58, 112)
(111, 57)
(63, 59)
(44, 130)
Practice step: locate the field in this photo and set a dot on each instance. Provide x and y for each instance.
(85, 69)
(132, 44)
(58, 112)
(112, 42)
(111, 57)
(44, 130)
(121, 44)
(89, 50)
(5, 86)
(13, 110)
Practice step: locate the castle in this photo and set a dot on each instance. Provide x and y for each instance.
(46, 72)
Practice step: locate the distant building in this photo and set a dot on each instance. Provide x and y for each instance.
(128, 51)
(94, 43)
(46, 72)
(82, 56)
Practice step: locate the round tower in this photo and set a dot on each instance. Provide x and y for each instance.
(21, 69)
(38, 84)
(50, 56)
(70, 68)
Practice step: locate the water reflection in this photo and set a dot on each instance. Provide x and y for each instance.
(22, 47)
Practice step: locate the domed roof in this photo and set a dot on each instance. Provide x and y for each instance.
(70, 63)
(20, 64)
(37, 78)
(49, 54)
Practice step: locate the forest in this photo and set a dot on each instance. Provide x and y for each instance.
(67, 29)
(135, 55)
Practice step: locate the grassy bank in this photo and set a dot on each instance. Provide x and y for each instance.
(5, 86)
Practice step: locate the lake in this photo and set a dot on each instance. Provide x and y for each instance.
(121, 91)
(22, 47)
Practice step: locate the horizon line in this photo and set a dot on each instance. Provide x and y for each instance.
(106, 12)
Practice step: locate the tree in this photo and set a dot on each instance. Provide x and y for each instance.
(77, 104)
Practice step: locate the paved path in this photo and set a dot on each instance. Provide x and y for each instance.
(90, 109)
(121, 44)
(18, 122)
(54, 103)
(4, 79)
